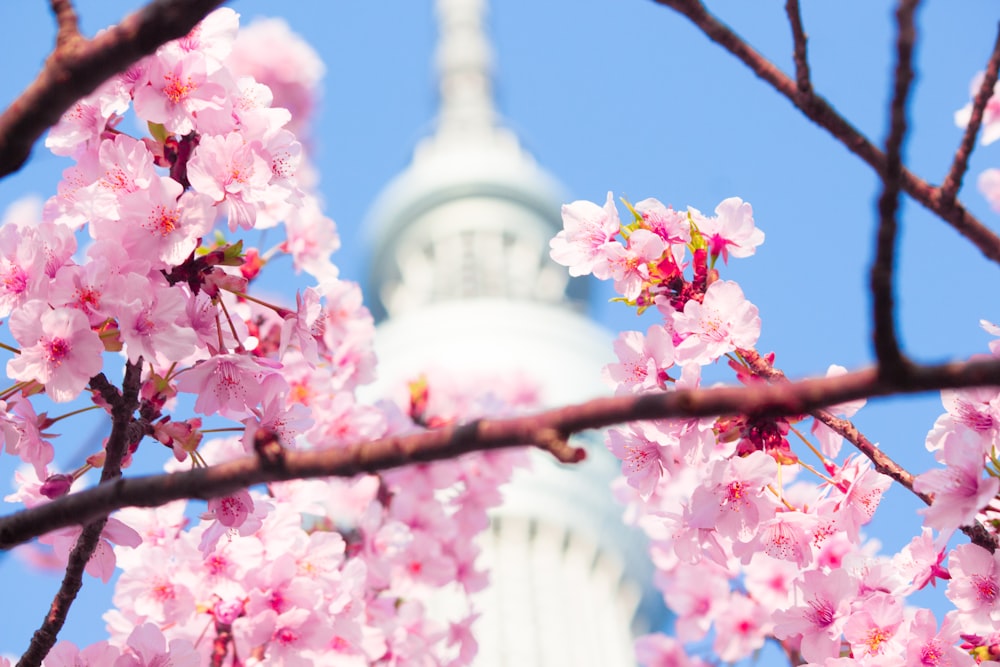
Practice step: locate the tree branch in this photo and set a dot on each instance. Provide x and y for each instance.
(820, 112)
(802, 78)
(123, 408)
(887, 351)
(953, 181)
(77, 66)
(546, 430)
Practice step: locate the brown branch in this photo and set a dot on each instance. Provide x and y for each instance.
(542, 430)
(820, 112)
(887, 351)
(883, 462)
(802, 78)
(953, 181)
(77, 66)
(123, 408)
(68, 27)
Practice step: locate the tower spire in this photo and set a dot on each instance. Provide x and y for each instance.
(464, 61)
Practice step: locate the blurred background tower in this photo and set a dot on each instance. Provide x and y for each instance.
(461, 280)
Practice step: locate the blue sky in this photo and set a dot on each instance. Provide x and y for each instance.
(626, 96)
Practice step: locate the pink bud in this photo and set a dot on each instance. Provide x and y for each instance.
(56, 485)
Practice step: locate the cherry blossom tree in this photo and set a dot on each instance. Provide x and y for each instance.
(159, 325)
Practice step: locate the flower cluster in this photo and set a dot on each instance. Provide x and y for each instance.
(751, 540)
(143, 254)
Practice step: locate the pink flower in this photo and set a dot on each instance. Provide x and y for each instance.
(303, 328)
(819, 617)
(643, 360)
(152, 318)
(659, 650)
(66, 654)
(102, 562)
(229, 170)
(147, 647)
(163, 224)
(722, 322)
(989, 185)
(732, 231)
(58, 349)
(732, 499)
(641, 462)
(975, 586)
(629, 266)
(229, 384)
(959, 489)
(929, 648)
(179, 87)
(586, 228)
(740, 628)
(272, 54)
(873, 630)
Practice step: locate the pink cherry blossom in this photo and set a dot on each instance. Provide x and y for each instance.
(178, 87)
(741, 628)
(820, 613)
(587, 227)
(643, 360)
(731, 231)
(230, 170)
(58, 349)
(147, 647)
(975, 586)
(229, 384)
(959, 489)
(152, 320)
(732, 498)
(873, 630)
(722, 322)
(629, 266)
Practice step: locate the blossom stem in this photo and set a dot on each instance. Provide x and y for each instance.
(74, 412)
(823, 477)
(232, 327)
(4, 346)
(243, 295)
(781, 497)
(808, 444)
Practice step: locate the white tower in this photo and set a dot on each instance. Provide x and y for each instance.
(461, 276)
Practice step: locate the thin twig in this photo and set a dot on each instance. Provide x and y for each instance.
(68, 27)
(887, 350)
(78, 66)
(820, 112)
(800, 397)
(44, 638)
(953, 181)
(802, 78)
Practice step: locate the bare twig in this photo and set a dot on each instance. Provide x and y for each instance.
(887, 350)
(68, 28)
(542, 430)
(44, 638)
(802, 79)
(820, 112)
(953, 181)
(78, 66)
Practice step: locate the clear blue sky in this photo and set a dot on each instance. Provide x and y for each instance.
(624, 95)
